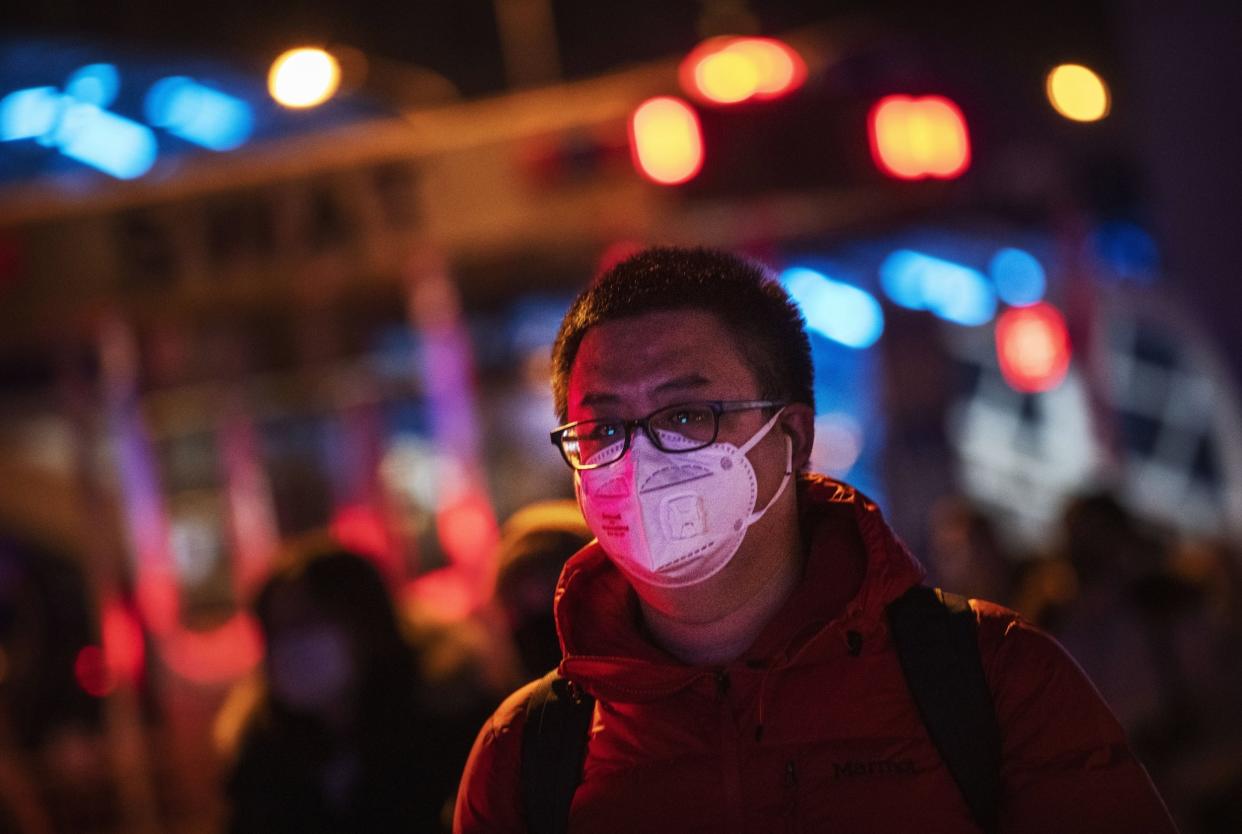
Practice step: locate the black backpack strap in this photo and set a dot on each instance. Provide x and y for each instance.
(558, 718)
(936, 639)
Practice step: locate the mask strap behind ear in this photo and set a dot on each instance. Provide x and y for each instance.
(758, 514)
(762, 433)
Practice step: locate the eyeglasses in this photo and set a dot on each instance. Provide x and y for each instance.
(590, 444)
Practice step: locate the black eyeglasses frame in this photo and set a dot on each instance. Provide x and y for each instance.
(717, 407)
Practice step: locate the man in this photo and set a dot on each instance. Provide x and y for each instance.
(730, 622)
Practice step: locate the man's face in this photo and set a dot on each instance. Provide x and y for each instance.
(631, 367)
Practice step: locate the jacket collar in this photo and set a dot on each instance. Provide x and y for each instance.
(855, 567)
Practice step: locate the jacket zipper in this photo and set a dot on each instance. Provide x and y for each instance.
(733, 808)
(792, 821)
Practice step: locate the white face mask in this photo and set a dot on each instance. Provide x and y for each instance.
(674, 519)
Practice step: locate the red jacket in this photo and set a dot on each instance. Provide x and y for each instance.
(801, 734)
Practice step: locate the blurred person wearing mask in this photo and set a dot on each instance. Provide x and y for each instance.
(332, 738)
(730, 623)
(534, 544)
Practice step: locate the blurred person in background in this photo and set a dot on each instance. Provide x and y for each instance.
(1149, 625)
(966, 553)
(333, 737)
(1213, 775)
(1115, 621)
(55, 771)
(535, 542)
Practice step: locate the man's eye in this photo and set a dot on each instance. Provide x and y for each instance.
(687, 417)
(604, 431)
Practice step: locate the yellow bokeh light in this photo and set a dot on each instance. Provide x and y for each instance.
(773, 62)
(1077, 93)
(912, 138)
(666, 140)
(304, 77)
(727, 76)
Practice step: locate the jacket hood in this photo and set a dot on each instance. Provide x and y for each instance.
(855, 566)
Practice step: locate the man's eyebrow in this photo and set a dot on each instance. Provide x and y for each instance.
(597, 398)
(692, 380)
(680, 383)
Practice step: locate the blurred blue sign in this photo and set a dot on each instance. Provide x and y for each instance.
(952, 291)
(1019, 276)
(844, 313)
(67, 103)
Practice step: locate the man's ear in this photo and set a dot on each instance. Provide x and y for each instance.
(798, 421)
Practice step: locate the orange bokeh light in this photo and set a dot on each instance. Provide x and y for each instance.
(447, 594)
(917, 138)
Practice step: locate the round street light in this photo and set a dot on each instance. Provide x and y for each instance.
(304, 77)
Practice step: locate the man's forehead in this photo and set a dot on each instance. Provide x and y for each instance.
(601, 395)
(656, 354)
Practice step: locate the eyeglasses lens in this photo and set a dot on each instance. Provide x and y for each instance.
(683, 427)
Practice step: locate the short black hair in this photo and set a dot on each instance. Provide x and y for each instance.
(769, 331)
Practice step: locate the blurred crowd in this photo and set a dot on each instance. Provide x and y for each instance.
(1154, 619)
(363, 711)
(360, 717)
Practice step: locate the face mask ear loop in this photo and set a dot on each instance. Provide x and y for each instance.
(758, 514)
(762, 433)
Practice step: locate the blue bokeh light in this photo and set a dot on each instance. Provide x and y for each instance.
(95, 84)
(844, 313)
(118, 78)
(106, 141)
(1019, 277)
(29, 113)
(902, 281)
(1128, 249)
(952, 291)
(198, 113)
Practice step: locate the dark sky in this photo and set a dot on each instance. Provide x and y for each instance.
(458, 38)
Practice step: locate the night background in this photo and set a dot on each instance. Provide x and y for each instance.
(232, 331)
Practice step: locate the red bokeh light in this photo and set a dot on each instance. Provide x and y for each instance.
(362, 529)
(123, 645)
(90, 670)
(467, 530)
(224, 653)
(1033, 347)
(614, 253)
(159, 600)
